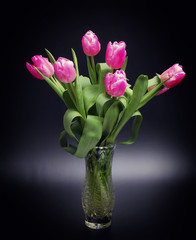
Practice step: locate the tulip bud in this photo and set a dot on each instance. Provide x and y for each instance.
(115, 84)
(115, 54)
(175, 75)
(64, 69)
(90, 44)
(41, 64)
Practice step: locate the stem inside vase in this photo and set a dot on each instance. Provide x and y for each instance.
(98, 193)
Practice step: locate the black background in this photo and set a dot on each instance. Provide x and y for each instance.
(40, 183)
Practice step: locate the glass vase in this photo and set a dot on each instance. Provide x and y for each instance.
(98, 193)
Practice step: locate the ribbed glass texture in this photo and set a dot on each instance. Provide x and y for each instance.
(98, 193)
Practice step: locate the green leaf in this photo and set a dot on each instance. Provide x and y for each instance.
(135, 128)
(50, 56)
(67, 100)
(64, 143)
(100, 102)
(123, 100)
(85, 81)
(102, 70)
(76, 127)
(111, 118)
(92, 73)
(128, 93)
(153, 82)
(152, 93)
(91, 135)
(139, 89)
(90, 96)
(78, 88)
(69, 116)
(124, 64)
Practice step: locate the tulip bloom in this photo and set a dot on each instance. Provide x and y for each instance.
(90, 44)
(175, 75)
(115, 54)
(41, 64)
(115, 84)
(64, 69)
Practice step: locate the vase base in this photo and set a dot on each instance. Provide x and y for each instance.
(94, 225)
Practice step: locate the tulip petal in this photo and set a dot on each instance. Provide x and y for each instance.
(33, 71)
(118, 88)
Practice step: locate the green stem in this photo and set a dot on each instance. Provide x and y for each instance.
(69, 87)
(94, 69)
(54, 81)
(150, 94)
(59, 83)
(73, 90)
(93, 62)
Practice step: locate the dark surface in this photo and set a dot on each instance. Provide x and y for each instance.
(142, 210)
(154, 178)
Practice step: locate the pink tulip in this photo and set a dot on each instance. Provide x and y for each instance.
(64, 69)
(41, 64)
(90, 44)
(115, 54)
(175, 73)
(115, 84)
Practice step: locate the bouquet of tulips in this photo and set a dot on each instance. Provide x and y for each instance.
(100, 105)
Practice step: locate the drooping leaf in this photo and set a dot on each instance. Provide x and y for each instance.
(85, 81)
(91, 135)
(68, 118)
(135, 128)
(90, 96)
(123, 100)
(100, 102)
(64, 143)
(76, 127)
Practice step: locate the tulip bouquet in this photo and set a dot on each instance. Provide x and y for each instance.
(99, 106)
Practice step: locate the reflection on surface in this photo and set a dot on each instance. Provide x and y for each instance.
(146, 162)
